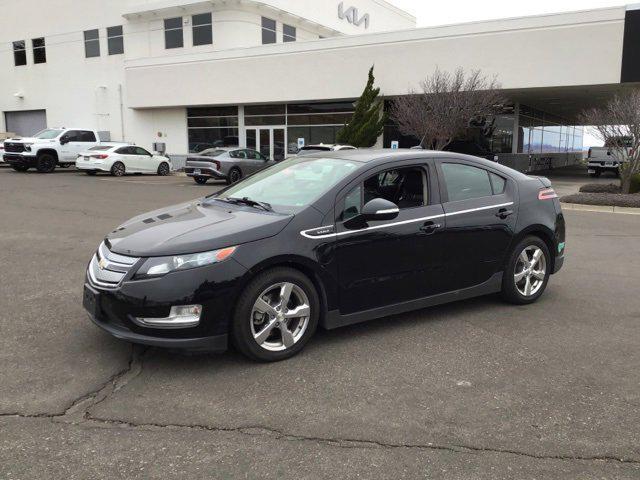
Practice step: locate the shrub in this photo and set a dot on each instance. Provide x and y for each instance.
(635, 183)
(600, 188)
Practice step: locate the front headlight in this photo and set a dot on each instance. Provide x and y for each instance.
(159, 266)
(27, 146)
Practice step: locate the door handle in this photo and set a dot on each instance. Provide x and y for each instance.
(430, 227)
(504, 213)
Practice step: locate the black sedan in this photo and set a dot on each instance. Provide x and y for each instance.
(325, 240)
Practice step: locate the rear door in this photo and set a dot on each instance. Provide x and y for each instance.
(394, 261)
(481, 209)
(79, 141)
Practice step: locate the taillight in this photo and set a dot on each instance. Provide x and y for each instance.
(102, 156)
(547, 194)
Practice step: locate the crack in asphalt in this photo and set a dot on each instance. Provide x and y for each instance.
(78, 414)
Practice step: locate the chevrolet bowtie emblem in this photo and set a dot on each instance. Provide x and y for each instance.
(102, 264)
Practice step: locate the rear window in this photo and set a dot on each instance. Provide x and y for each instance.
(101, 148)
(315, 149)
(465, 182)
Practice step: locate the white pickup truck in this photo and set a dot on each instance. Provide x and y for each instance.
(602, 159)
(49, 148)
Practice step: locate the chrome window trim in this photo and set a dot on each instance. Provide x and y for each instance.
(305, 234)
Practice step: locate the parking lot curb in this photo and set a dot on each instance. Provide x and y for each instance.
(601, 209)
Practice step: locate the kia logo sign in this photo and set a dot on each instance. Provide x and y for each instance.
(352, 16)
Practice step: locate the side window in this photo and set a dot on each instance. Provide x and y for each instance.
(141, 151)
(124, 151)
(86, 136)
(352, 204)
(72, 136)
(234, 154)
(498, 183)
(404, 186)
(465, 182)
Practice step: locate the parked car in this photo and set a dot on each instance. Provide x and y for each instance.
(119, 159)
(601, 160)
(229, 164)
(322, 147)
(327, 239)
(49, 148)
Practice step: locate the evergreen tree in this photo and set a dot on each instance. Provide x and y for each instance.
(368, 119)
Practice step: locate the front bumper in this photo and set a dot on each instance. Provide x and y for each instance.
(20, 160)
(204, 172)
(215, 287)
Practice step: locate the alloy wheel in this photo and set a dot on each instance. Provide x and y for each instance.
(163, 169)
(118, 170)
(530, 271)
(234, 176)
(280, 316)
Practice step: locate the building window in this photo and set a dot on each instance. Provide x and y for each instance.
(173, 33)
(268, 31)
(212, 127)
(288, 33)
(115, 40)
(202, 30)
(39, 51)
(91, 43)
(19, 53)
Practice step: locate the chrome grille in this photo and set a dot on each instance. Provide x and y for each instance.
(108, 269)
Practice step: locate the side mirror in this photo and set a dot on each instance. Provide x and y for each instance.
(380, 209)
(374, 210)
(64, 139)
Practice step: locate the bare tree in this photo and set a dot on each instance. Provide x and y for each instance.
(618, 125)
(445, 106)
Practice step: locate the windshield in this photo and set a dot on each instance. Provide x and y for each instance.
(292, 184)
(48, 134)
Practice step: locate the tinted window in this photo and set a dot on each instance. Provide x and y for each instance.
(91, 43)
(86, 136)
(19, 53)
(202, 31)
(212, 152)
(464, 181)
(253, 154)
(498, 183)
(405, 187)
(140, 151)
(268, 31)
(115, 40)
(39, 52)
(71, 136)
(125, 151)
(173, 33)
(101, 148)
(288, 33)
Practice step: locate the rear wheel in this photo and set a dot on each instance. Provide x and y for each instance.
(235, 175)
(276, 315)
(117, 169)
(20, 168)
(46, 163)
(527, 272)
(163, 169)
(200, 180)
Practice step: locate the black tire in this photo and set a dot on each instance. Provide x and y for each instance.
(596, 173)
(244, 320)
(118, 169)
(511, 290)
(90, 172)
(20, 168)
(200, 180)
(235, 175)
(46, 163)
(163, 169)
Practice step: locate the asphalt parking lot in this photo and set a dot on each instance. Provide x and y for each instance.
(472, 390)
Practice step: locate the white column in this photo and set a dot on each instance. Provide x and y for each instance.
(242, 134)
(516, 128)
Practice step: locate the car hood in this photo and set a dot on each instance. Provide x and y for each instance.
(194, 227)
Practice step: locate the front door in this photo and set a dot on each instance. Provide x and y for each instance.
(395, 261)
(269, 141)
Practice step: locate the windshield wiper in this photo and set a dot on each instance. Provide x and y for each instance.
(247, 201)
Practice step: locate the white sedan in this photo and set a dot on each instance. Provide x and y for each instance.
(121, 159)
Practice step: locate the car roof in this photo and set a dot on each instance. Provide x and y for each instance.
(383, 155)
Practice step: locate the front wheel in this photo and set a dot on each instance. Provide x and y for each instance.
(118, 170)
(163, 169)
(527, 272)
(200, 180)
(276, 315)
(46, 163)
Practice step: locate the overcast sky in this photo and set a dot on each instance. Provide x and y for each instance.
(457, 11)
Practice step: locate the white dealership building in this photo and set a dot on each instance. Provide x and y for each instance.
(191, 74)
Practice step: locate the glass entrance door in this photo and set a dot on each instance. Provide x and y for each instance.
(270, 141)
